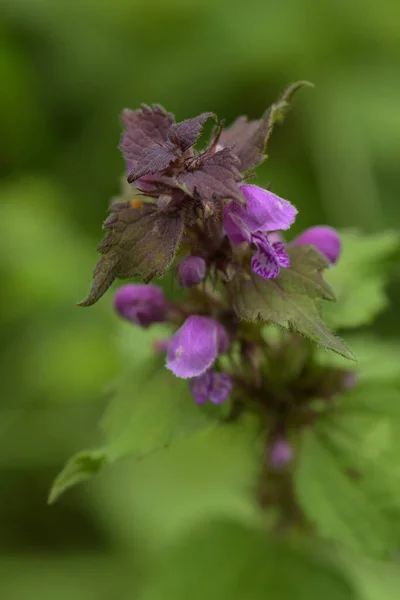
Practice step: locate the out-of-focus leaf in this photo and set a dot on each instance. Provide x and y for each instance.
(224, 560)
(348, 478)
(359, 278)
(149, 409)
(292, 300)
(377, 359)
(81, 467)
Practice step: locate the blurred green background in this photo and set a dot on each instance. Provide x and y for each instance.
(67, 70)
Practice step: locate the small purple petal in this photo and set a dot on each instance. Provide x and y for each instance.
(264, 211)
(200, 386)
(194, 347)
(264, 262)
(275, 236)
(141, 304)
(221, 387)
(350, 380)
(211, 386)
(324, 238)
(280, 454)
(192, 271)
(281, 254)
(233, 227)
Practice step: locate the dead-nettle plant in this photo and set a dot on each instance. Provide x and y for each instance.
(247, 331)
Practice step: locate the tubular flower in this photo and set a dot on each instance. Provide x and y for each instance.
(195, 346)
(264, 212)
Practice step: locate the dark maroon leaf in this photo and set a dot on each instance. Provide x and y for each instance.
(248, 139)
(186, 133)
(144, 128)
(139, 241)
(214, 177)
(153, 160)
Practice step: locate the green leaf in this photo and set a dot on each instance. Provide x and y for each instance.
(79, 468)
(292, 300)
(359, 278)
(150, 408)
(225, 560)
(377, 360)
(348, 478)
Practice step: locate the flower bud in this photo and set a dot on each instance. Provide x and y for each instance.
(141, 304)
(195, 346)
(211, 386)
(280, 454)
(324, 238)
(192, 271)
(349, 381)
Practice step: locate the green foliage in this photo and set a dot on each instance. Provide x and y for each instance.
(224, 560)
(348, 479)
(292, 300)
(69, 67)
(360, 277)
(149, 409)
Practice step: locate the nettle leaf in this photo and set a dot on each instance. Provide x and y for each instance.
(214, 177)
(152, 141)
(150, 408)
(139, 241)
(144, 128)
(186, 133)
(292, 300)
(348, 478)
(248, 139)
(359, 278)
(226, 560)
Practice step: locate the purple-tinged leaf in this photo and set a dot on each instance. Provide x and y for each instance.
(248, 139)
(185, 134)
(139, 241)
(214, 177)
(154, 159)
(144, 128)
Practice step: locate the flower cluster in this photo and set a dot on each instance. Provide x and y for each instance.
(200, 340)
(237, 269)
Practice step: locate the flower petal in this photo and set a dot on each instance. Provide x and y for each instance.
(220, 388)
(200, 387)
(324, 238)
(233, 226)
(264, 211)
(212, 386)
(281, 254)
(194, 347)
(264, 262)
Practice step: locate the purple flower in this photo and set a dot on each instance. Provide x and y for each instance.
(141, 304)
(350, 380)
(195, 346)
(211, 386)
(324, 238)
(192, 271)
(280, 454)
(264, 212)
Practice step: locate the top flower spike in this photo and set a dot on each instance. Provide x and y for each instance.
(181, 185)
